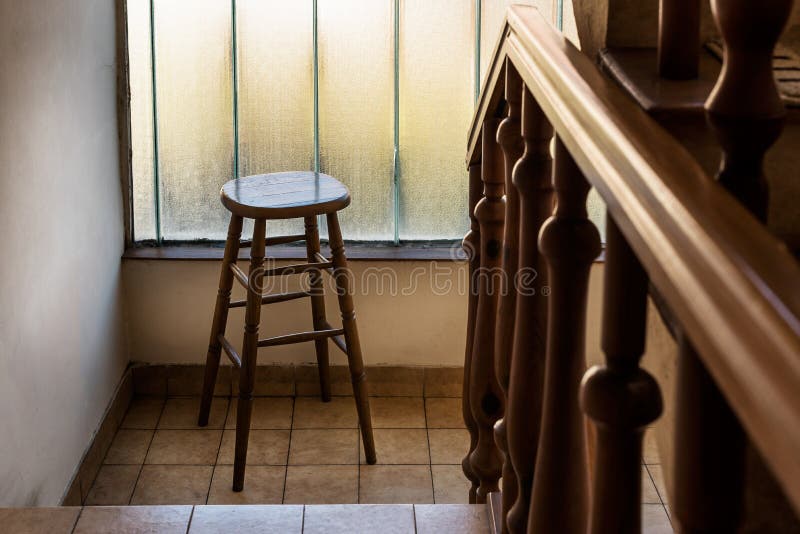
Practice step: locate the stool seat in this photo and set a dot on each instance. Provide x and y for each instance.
(284, 195)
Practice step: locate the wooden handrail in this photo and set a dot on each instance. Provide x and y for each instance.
(734, 288)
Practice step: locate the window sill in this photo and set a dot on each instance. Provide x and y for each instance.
(355, 252)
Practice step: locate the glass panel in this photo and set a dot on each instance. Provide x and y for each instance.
(493, 13)
(436, 106)
(356, 121)
(276, 91)
(195, 115)
(144, 215)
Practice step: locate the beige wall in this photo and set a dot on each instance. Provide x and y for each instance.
(170, 305)
(61, 350)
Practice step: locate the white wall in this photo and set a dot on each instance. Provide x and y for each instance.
(170, 305)
(61, 328)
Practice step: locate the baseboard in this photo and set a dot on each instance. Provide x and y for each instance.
(299, 380)
(93, 456)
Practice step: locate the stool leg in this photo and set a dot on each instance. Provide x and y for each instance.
(318, 308)
(247, 373)
(220, 318)
(356, 363)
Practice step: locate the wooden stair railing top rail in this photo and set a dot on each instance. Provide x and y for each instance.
(734, 287)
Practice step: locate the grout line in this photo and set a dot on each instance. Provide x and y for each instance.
(414, 516)
(430, 461)
(303, 520)
(358, 461)
(141, 468)
(655, 486)
(219, 448)
(288, 452)
(191, 516)
(77, 518)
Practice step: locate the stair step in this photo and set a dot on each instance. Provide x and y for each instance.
(288, 519)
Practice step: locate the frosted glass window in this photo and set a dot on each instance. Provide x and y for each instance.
(195, 115)
(356, 110)
(493, 13)
(436, 104)
(141, 80)
(275, 91)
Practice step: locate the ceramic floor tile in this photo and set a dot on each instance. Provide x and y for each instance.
(149, 519)
(333, 519)
(321, 484)
(461, 518)
(655, 520)
(39, 520)
(143, 413)
(113, 486)
(185, 447)
(247, 519)
(649, 493)
(390, 484)
(310, 447)
(173, 484)
(400, 446)
(450, 486)
(657, 473)
(263, 484)
(182, 412)
(448, 445)
(397, 412)
(310, 412)
(129, 447)
(268, 413)
(444, 412)
(264, 447)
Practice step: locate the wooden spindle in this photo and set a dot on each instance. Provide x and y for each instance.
(471, 246)
(533, 179)
(570, 243)
(709, 451)
(679, 39)
(746, 112)
(619, 397)
(745, 107)
(485, 392)
(510, 139)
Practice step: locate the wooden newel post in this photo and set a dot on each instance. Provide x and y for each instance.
(485, 395)
(569, 243)
(619, 397)
(679, 39)
(510, 139)
(533, 179)
(471, 246)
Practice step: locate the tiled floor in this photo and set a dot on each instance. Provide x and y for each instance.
(301, 451)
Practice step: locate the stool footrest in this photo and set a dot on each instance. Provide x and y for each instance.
(337, 340)
(299, 268)
(300, 338)
(271, 299)
(238, 273)
(230, 352)
(284, 239)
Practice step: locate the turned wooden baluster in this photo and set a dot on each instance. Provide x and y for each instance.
(471, 246)
(747, 114)
(533, 179)
(619, 397)
(570, 243)
(745, 107)
(509, 138)
(485, 393)
(679, 39)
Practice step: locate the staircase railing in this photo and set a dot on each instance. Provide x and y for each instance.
(548, 126)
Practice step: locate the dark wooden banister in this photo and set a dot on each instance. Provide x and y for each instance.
(734, 287)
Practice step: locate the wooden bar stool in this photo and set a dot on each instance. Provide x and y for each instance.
(286, 195)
